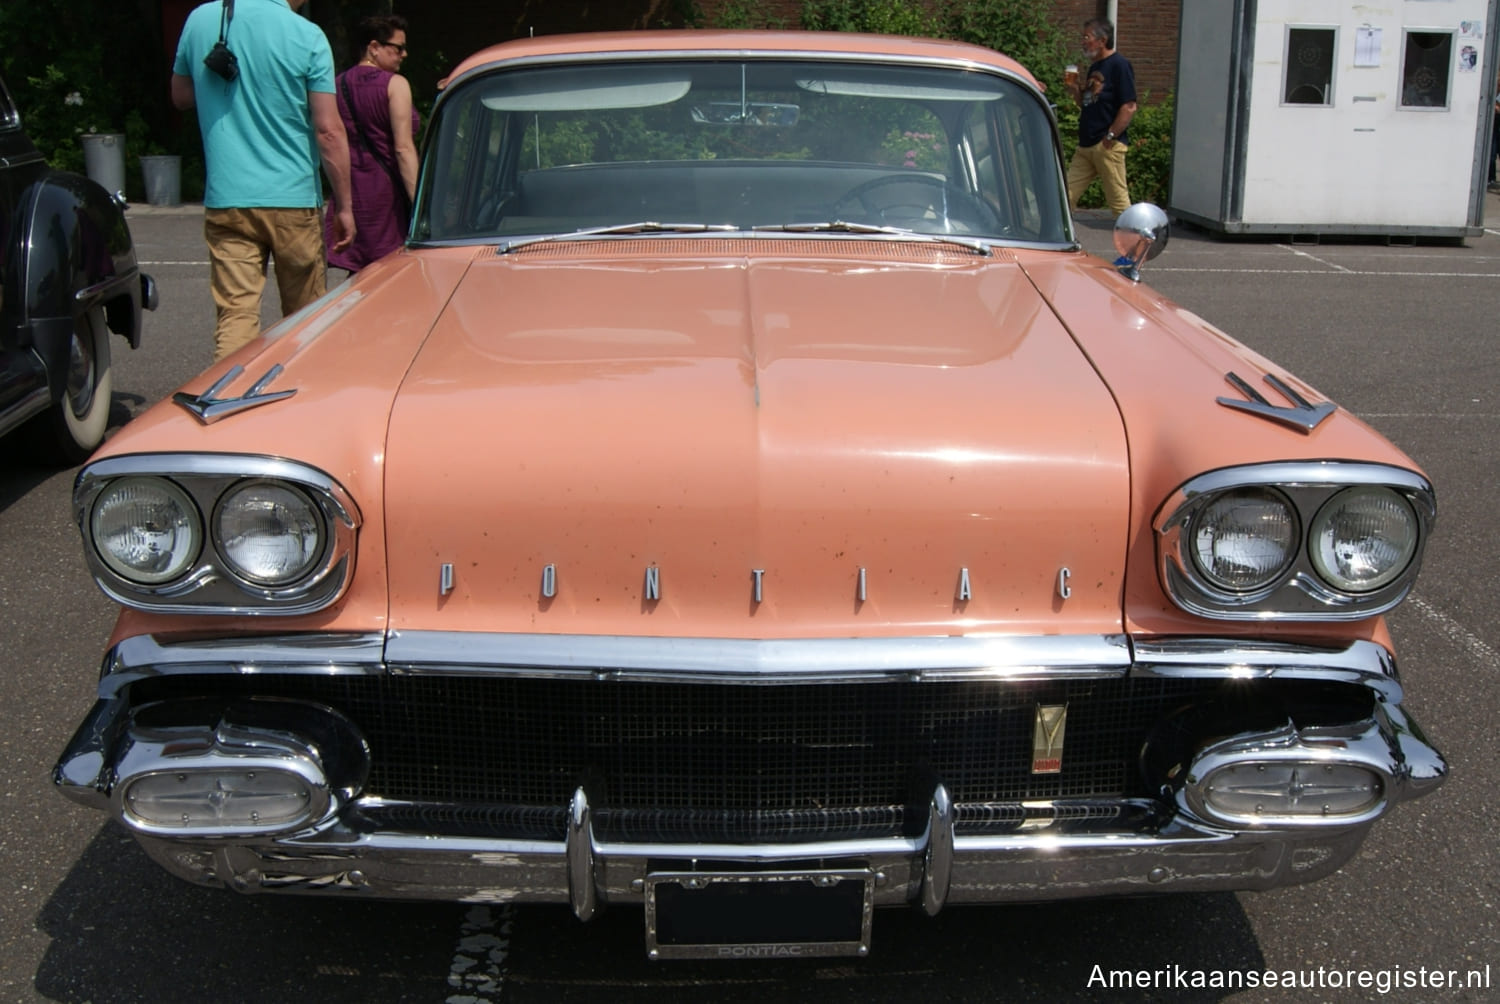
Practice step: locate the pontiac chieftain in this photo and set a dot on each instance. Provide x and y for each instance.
(744, 501)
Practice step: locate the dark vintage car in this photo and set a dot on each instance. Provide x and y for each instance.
(68, 277)
(744, 500)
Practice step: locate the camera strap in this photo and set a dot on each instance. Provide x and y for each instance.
(226, 14)
(403, 204)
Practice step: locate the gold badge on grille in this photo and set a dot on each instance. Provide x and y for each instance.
(1047, 738)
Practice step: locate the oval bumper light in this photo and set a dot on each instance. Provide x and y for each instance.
(146, 530)
(1363, 538)
(215, 800)
(1291, 790)
(269, 534)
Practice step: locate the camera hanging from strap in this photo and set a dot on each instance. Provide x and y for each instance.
(219, 59)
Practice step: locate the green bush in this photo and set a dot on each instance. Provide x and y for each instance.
(881, 17)
(1148, 165)
(70, 77)
(1025, 30)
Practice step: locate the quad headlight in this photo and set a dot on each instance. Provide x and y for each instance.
(1363, 538)
(1328, 540)
(1244, 540)
(146, 530)
(216, 533)
(268, 533)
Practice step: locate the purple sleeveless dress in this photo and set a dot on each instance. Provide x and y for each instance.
(378, 204)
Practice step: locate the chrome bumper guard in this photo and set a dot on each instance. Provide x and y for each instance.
(940, 866)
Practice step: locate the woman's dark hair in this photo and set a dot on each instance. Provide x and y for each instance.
(377, 28)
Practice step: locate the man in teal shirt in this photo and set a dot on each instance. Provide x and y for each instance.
(264, 133)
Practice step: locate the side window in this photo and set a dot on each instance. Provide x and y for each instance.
(1004, 147)
(465, 174)
(1308, 66)
(1426, 68)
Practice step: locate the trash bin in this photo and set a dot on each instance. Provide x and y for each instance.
(163, 179)
(104, 159)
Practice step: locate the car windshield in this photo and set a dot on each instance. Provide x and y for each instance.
(662, 147)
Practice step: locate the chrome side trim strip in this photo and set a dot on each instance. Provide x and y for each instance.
(732, 660)
(1364, 663)
(326, 654)
(33, 403)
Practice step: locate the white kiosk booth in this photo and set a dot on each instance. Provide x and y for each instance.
(1334, 117)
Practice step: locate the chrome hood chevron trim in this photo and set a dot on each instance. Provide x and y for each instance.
(208, 407)
(1304, 416)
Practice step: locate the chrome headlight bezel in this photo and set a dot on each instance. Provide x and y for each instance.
(212, 583)
(1300, 591)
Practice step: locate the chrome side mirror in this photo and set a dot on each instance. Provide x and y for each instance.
(1141, 234)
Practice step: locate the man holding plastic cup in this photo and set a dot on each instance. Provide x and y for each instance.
(1107, 102)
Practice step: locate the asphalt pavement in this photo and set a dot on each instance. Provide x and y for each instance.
(1403, 336)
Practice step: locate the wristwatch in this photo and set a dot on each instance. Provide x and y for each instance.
(1109, 136)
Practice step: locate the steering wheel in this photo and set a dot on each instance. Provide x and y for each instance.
(908, 200)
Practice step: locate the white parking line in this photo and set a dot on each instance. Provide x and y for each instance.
(1354, 272)
(1310, 257)
(1458, 634)
(477, 975)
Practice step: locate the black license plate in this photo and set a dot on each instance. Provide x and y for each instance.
(759, 915)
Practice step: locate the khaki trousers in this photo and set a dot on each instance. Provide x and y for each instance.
(1090, 162)
(241, 242)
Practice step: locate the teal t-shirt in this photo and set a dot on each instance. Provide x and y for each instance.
(258, 137)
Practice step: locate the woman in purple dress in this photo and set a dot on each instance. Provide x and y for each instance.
(372, 99)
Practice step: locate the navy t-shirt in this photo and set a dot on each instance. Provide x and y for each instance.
(1110, 84)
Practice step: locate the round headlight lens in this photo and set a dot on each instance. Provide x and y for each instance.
(146, 530)
(268, 533)
(1244, 539)
(1364, 538)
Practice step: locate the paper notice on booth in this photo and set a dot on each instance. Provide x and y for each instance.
(1367, 46)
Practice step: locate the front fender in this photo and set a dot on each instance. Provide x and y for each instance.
(77, 254)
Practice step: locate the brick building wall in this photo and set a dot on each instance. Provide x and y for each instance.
(1147, 32)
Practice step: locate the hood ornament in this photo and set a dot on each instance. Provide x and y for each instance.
(1303, 415)
(208, 407)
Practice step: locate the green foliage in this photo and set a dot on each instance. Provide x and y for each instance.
(747, 14)
(883, 17)
(1025, 30)
(1148, 165)
(95, 66)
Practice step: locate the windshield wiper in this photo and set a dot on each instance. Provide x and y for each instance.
(845, 227)
(643, 227)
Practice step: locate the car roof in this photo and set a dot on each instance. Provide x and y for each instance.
(691, 41)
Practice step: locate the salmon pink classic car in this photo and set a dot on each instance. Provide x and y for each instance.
(743, 499)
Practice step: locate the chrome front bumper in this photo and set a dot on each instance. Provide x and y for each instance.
(349, 855)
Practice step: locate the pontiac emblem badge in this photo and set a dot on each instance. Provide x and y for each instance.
(1047, 738)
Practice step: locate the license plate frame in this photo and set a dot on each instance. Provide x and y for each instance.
(843, 899)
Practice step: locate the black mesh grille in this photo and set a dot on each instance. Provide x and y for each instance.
(682, 761)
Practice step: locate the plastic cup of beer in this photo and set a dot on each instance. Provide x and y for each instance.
(1070, 73)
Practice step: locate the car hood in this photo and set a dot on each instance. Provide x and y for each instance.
(818, 444)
